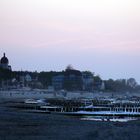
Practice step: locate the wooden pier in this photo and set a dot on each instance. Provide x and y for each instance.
(72, 107)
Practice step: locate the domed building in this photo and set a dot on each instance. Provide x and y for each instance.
(4, 63)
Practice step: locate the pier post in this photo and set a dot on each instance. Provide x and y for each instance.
(125, 109)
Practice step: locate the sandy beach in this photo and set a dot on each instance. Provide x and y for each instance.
(15, 125)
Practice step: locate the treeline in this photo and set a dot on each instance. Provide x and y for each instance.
(122, 85)
(45, 78)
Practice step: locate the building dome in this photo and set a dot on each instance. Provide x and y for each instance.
(4, 60)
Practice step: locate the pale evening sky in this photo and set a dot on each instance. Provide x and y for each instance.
(102, 36)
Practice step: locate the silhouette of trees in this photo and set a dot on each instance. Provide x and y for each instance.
(122, 85)
(5, 74)
(73, 80)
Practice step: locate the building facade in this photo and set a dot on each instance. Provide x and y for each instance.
(58, 82)
(88, 81)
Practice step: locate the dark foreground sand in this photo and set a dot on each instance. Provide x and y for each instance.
(17, 125)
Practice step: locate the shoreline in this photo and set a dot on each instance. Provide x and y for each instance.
(21, 94)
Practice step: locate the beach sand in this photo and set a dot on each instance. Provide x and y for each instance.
(19, 125)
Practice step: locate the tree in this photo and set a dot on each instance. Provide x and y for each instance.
(69, 67)
(131, 82)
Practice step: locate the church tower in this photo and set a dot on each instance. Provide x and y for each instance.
(4, 62)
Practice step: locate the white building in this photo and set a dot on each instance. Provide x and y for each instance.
(28, 78)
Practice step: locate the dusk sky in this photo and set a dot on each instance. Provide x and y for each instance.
(102, 36)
